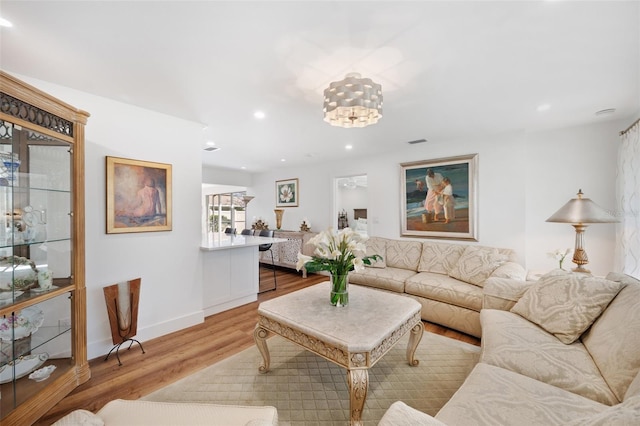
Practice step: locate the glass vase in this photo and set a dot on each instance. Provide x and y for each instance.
(340, 290)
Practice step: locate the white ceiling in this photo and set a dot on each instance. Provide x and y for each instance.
(448, 70)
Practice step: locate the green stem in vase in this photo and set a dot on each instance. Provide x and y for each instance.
(340, 290)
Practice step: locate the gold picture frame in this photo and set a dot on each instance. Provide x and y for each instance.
(450, 212)
(138, 196)
(287, 193)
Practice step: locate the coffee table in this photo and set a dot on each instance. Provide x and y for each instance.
(354, 337)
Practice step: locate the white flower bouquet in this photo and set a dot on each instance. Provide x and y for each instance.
(338, 253)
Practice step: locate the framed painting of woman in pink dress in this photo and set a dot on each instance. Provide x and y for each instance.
(439, 198)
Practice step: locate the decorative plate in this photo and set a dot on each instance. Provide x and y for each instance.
(9, 295)
(23, 366)
(42, 374)
(26, 322)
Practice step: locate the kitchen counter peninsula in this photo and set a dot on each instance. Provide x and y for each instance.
(230, 273)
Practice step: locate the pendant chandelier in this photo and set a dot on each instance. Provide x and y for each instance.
(353, 102)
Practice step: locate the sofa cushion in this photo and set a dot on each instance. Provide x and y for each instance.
(511, 270)
(400, 414)
(439, 257)
(494, 396)
(614, 339)
(566, 304)
(445, 289)
(376, 245)
(476, 264)
(388, 278)
(634, 388)
(403, 254)
(510, 341)
(626, 413)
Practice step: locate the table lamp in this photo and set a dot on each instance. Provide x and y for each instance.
(580, 212)
(246, 199)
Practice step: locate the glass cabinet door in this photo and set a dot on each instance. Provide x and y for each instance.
(36, 283)
(35, 349)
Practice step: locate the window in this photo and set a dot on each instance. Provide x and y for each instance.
(226, 211)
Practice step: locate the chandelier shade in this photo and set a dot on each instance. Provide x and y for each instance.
(353, 102)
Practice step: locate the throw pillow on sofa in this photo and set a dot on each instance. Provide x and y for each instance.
(439, 257)
(511, 270)
(376, 246)
(566, 304)
(476, 264)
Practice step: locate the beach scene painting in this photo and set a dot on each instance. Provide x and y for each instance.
(439, 198)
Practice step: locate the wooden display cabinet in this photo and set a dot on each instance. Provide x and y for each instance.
(42, 320)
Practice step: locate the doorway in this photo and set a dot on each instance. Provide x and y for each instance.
(351, 195)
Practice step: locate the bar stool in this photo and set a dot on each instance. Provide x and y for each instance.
(230, 231)
(247, 232)
(267, 247)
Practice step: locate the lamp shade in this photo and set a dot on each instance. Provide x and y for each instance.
(581, 210)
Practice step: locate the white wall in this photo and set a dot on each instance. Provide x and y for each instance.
(169, 263)
(523, 179)
(562, 162)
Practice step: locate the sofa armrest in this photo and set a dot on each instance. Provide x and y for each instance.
(503, 293)
(400, 414)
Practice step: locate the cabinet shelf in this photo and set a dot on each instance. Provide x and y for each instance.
(43, 336)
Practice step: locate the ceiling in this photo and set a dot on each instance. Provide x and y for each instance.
(449, 70)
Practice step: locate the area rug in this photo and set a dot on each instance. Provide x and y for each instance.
(308, 390)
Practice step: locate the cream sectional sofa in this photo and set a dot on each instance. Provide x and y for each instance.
(532, 371)
(446, 278)
(120, 412)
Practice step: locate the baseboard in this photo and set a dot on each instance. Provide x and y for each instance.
(102, 347)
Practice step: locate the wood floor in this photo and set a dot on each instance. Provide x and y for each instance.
(174, 356)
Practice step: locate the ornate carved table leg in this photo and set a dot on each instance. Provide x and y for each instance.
(414, 340)
(260, 336)
(358, 381)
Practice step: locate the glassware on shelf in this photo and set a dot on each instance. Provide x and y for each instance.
(9, 164)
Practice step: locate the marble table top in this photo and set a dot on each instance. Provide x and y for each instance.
(371, 316)
(221, 241)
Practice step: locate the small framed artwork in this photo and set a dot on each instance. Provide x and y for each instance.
(439, 198)
(287, 193)
(138, 196)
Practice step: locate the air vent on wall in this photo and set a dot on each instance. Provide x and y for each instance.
(416, 141)
(211, 148)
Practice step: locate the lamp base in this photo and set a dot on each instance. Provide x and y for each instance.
(581, 270)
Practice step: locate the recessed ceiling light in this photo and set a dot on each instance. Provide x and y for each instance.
(211, 146)
(243, 167)
(259, 115)
(283, 160)
(543, 107)
(606, 111)
(348, 147)
(5, 23)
